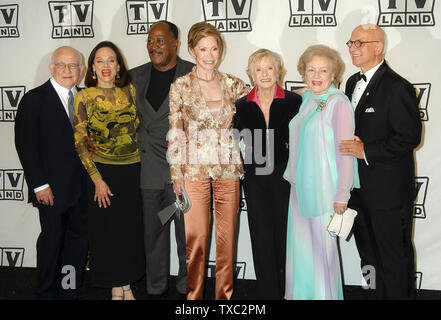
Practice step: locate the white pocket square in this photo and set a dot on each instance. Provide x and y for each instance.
(369, 110)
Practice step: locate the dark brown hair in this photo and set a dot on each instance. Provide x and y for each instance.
(124, 77)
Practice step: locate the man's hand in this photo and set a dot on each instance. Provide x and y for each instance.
(45, 197)
(91, 147)
(353, 148)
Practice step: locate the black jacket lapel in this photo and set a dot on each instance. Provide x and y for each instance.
(361, 106)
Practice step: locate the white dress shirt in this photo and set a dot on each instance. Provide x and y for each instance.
(361, 85)
(359, 90)
(63, 93)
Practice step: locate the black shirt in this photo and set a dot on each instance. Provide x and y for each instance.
(159, 86)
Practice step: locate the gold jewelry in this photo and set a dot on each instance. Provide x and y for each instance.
(214, 76)
(94, 76)
(321, 105)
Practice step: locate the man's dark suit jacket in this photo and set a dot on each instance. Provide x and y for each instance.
(390, 134)
(45, 145)
(153, 128)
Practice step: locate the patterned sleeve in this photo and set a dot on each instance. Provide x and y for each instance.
(176, 134)
(80, 135)
(241, 89)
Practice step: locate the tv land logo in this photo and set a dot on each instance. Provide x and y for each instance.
(423, 94)
(9, 21)
(312, 13)
(11, 184)
(294, 85)
(71, 19)
(12, 257)
(228, 15)
(238, 271)
(406, 13)
(9, 98)
(422, 184)
(142, 14)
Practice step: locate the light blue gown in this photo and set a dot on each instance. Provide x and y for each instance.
(319, 176)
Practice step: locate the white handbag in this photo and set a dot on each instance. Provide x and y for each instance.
(341, 224)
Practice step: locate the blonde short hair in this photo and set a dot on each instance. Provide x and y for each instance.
(204, 29)
(258, 55)
(336, 62)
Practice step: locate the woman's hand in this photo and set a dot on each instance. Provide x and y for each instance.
(102, 193)
(177, 186)
(339, 208)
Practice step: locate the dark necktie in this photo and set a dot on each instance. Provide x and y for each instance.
(359, 76)
(70, 106)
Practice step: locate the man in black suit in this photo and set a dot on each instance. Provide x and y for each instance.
(152, 82)
(387, 129)
(55, 176)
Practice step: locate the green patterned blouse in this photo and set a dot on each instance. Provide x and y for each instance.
(109, 116)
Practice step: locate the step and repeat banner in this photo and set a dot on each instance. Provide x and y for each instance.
(31, 30)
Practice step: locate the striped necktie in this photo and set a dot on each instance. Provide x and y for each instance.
(70, 106)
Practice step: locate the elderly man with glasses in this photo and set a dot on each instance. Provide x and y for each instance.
(55, 177)
(387, 129)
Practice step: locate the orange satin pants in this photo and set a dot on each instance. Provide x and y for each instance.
(197, 231)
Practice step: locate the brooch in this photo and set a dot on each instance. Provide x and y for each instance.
(320, 106)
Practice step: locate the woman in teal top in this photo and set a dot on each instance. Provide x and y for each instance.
(321, 178)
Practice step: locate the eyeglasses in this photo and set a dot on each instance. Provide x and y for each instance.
(358, 43)
(159, 41)
(62, 65)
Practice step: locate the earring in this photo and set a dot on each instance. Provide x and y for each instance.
(117, 74)
(94, 76)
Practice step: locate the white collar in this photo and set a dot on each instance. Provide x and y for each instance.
(370, 73)
(62, 90)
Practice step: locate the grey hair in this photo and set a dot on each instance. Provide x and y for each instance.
(77, 53)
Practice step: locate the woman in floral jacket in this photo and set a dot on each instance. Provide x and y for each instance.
(203, 155)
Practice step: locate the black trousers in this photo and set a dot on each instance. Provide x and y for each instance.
(384, 243)
(157, 241)
(267, 199)
(61, 249)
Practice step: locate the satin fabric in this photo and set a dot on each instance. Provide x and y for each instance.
(197, 231)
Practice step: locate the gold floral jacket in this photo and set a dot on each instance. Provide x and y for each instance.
(201, 146)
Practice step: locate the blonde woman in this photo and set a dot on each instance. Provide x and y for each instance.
(321, 178)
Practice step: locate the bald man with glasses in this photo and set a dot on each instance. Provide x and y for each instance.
(387, 129)
(55, 177)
